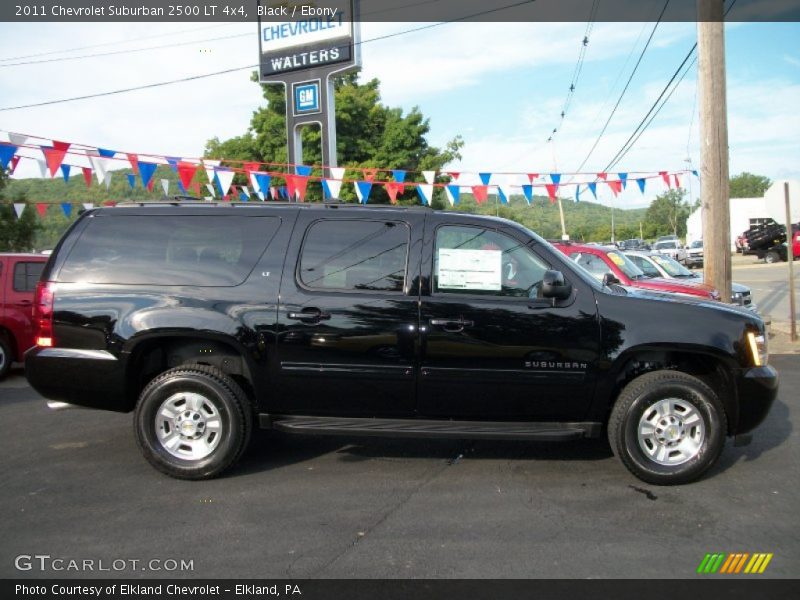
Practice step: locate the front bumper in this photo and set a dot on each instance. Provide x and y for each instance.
(757, 389)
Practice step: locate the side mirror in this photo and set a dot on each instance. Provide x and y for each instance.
(609, 279)
(554, 286)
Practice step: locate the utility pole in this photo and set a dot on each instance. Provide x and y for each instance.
(790, 256)
(714, 146)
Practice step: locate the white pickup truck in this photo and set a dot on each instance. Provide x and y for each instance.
(671, 248)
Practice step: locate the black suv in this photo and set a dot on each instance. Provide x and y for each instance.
(207, 320)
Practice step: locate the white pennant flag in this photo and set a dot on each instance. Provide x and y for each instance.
(505, 191)
(427, 192)
(209, 165)
(210, 188)
(108, 180)
(17, 139)
(88, 205)
(337, 172)
(18, 208)
(225, 180)
(245, 190)
(42, 167)
(100, 167)
(429, 176)
(165, 186)
(334, 187)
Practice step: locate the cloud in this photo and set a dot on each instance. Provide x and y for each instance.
(795, 62)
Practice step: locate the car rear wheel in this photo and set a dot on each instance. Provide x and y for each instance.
(192, 422)
(667, 427)
(5, 357)
(771, 257)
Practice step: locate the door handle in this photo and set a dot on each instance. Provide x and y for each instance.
(24, 303)
(309, 315)
(452, 325)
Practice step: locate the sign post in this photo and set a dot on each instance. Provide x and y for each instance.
(303, 54)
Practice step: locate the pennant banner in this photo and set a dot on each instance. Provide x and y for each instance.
(362, 190)
(6, 154)
(66, 208)
(393, 188)
(425, 193)
(453, 193)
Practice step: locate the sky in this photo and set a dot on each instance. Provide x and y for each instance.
(501, 86)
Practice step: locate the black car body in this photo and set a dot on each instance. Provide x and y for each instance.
(333, 318)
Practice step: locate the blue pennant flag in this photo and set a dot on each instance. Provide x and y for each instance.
(527, 190)
(485, 178)
(243, 197)
(363, 188)
(66, 207)
(326, 190)
(455, 191)
(106, 153)
(695, 173)
(283, 192)
(303, 170)
(6, 154)
(593, 188)
(399, 175)
(555, 178)
(218, 184)
(578, 193)
(146, 171)
(623, 177)
(65, 172)
(262, 179)
(131, 180)
(173, 162)
(502, 195)
(181, 188)
(641, 181)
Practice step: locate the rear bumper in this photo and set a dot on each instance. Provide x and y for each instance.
(757, 389)
(90, 378)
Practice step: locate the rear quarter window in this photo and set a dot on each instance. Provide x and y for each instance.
(26, 275)
(203, 250)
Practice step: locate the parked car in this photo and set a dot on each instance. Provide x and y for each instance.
(694, 254)
(658, 265)
(207, 321)
(768, 242)
(18, 276)
(671, 248)
(634, 244)
(601, 261)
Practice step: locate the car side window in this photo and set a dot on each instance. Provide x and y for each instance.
(592, 263)
(353, 255)
(476, 260)
(645, 265)
(26, 275)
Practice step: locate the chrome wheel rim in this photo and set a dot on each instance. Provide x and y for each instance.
(188, 426)
(2, 358)
(671, 432)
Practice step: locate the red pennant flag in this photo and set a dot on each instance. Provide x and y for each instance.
(42, 208)
(551, 191)
(14, 163)
(603, 176)
(110, 203)
(532, 176)
(150, 184)
(196, 188)
(481, 193)
(134, 160)
(677, 181)
(665, 177)
(369, 174)
(616, 186)
(392, 188)
(296, 186)
(250, 166)
(454, 175)
(226, 198)
(186, 173)
(87, 176)
(55, 155)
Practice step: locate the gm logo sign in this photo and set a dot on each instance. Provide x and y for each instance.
(306, 97)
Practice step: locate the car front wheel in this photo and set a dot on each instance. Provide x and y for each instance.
(192, 422)
(667, 427)
(5, 357)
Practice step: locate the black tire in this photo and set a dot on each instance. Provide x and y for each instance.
(772, 257)
(639, 396)
(228, 403)
(6, 357)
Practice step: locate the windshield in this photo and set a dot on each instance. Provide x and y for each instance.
(697, 244)
(666, 245)
(672, 267)
(625, 265)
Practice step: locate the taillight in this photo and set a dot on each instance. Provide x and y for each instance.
(43, 314)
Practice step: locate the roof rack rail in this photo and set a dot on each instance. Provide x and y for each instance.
(192, 201)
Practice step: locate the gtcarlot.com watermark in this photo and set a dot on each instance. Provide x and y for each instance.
(47, 563)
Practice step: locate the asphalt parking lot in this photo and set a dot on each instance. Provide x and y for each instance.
(74, 486)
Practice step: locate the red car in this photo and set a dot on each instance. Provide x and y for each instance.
(19, 274)
(599, 260)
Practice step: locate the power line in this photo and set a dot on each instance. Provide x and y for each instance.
(625, 89)
(114, 43)
(235, 69)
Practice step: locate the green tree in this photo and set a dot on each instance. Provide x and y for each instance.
(17, 234)
(368, 134)
(667, 214)
(747, 185)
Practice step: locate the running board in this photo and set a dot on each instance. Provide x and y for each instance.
(420, 428)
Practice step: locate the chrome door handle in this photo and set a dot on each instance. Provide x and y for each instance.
(309, 315)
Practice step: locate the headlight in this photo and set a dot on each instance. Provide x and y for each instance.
(737, 298)
(757, 344)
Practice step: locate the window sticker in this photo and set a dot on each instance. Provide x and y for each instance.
(460, 269)
(616, 259)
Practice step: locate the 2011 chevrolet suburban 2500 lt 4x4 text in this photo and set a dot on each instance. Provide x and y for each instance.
(326, 318)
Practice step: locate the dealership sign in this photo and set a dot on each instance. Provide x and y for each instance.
(314, 37)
